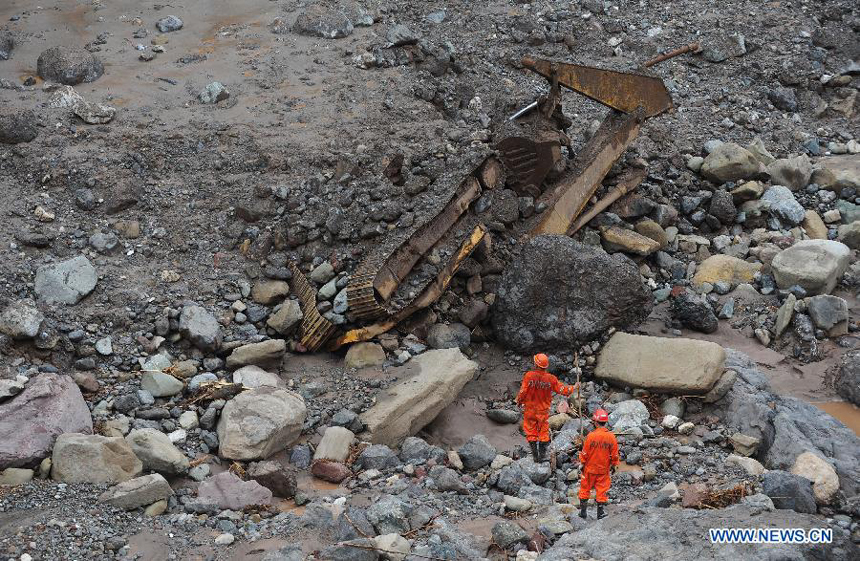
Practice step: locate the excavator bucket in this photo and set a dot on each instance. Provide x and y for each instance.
(527, 162)
(622, 91)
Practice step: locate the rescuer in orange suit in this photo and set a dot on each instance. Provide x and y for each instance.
(599, 457)
(536, 398)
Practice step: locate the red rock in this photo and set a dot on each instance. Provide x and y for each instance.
(333, 472)
(693, 495)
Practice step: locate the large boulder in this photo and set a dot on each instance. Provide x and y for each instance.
(444, 336)
(160, 384)
(837, 173)
(17, 126)
(431, 382)
(86, 458)
(785, 426)
(581, 305)
(847, 380)
(815, 265)
(662, 364)
(729, 162)
(829, 313)
(725, 268)
(646, 533)
(69, 65)
(628, 416)
(200, 327)
(157, 452)
(260, 422)
(49, 405)
(67, 282)
(226, 490)
(137, 492)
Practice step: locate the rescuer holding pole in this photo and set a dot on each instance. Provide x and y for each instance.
(535, 397)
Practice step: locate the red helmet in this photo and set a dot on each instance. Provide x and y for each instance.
(601, 416)
(541, 360)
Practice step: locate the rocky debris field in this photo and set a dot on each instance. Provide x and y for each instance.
(162, 166)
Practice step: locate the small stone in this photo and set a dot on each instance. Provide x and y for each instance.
(168, 24)
(214, 93)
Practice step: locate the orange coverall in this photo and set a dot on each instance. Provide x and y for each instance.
(536, 395)
(599, 452)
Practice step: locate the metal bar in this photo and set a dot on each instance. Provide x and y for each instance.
(622, 91)
(628, 183)
(572, 192)
(692, 47)
(523, 111)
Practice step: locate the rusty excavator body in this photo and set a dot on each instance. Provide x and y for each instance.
(375, 292)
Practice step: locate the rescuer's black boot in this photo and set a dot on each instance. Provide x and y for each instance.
(583, 508)
(600, 512)
(535, 451)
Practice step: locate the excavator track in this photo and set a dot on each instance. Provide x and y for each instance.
(315, 330)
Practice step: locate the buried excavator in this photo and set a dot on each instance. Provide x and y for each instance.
(400, 277)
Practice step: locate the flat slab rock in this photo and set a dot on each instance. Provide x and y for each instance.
(658, 363)
(228, 491)
(433, 380)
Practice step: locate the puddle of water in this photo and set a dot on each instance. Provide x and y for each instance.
(624, 466)
(847, 413)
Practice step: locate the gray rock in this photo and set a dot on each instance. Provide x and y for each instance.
(21, 320)
(157, 452)
(346, 552)
(49, 405)
(17, 126)
(448, 480)
(477, 452)
(10, 388)
(226, 490)
(67, 282)
(723, 206)
(847, 379)
(829, 313)
(287, 318)
(335, 445)
(414, 450)
(628, 415)
(647, 533)
(94, 114)
(527, 317)
(137, 492)
(69, 65)
(84, 458)
(352, 524)
(507, 534)
(455, 335)
(253, 377)
(200, 327)
(782, 205)
(213, 93)
(694, 312)
(789, 491)
(6, 45)
(783, 99)
(274, 477)
(320, 21)
(347, 419)
(287, 553)
(390, 515)
(377, 456)
(815, 265)
(168, 24)
(504, 416)
(674, 406)
(399, 35)
(12, 477)
(718, 46)
(160, 384)
(538, 473)
(794, 173)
